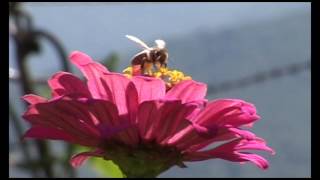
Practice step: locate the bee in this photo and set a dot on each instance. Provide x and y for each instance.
(149, 58)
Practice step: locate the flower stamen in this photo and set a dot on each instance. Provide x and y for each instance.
(171, 77)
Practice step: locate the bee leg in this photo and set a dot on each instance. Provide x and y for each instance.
(147, 68)
(157, 65)
(164, 65)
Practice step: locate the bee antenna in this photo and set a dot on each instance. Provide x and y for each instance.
(138, 41)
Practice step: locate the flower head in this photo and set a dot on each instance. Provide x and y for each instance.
(142, 121)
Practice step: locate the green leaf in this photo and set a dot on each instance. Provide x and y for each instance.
(43, 90)
(101, 166)
(106, 168)
(111, 61)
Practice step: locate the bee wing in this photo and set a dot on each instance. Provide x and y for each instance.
(160, 43)
(138, 41)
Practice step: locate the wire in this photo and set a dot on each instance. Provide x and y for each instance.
(275, 73)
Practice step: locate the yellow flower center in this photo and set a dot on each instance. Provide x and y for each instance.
(171, 77)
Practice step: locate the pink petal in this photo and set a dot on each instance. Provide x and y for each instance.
(216, 109)
(63, 83)
(148, 111)
(256, 159)
(33, 99)
(122, 92)
(254, 144)
(242, 144)
(47, 133)
(193, 139)
(132, 101)
(92, 71)
(115, 86)
(203, 136)
(210, 132)
(94, 111)
(165, 119)
(187, 91)
(41, 132)
(175, 121)
(228, 113)
(161, 119)
(89, 119)
(149, 88)
(237, 157)
(191, 135)
(182, 136)
(61, 114)
(200, 142)
(230, 151)
(103, 115)
(132, 106)
(78, 159)
(243, 133)
(109, 123)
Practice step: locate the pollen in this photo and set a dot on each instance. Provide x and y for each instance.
(170, 76)
(127, 72)
(176, 76)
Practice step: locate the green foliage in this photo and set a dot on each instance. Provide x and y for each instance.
(102, 167)
(111, 61)
(106, 168)
(43, 90)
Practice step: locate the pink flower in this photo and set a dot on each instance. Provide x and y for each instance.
(130, 120)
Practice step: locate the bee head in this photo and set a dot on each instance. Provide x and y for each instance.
(159, 56)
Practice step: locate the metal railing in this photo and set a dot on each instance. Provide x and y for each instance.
(27, 40)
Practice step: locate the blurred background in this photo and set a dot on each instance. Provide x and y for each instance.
(259, 52)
